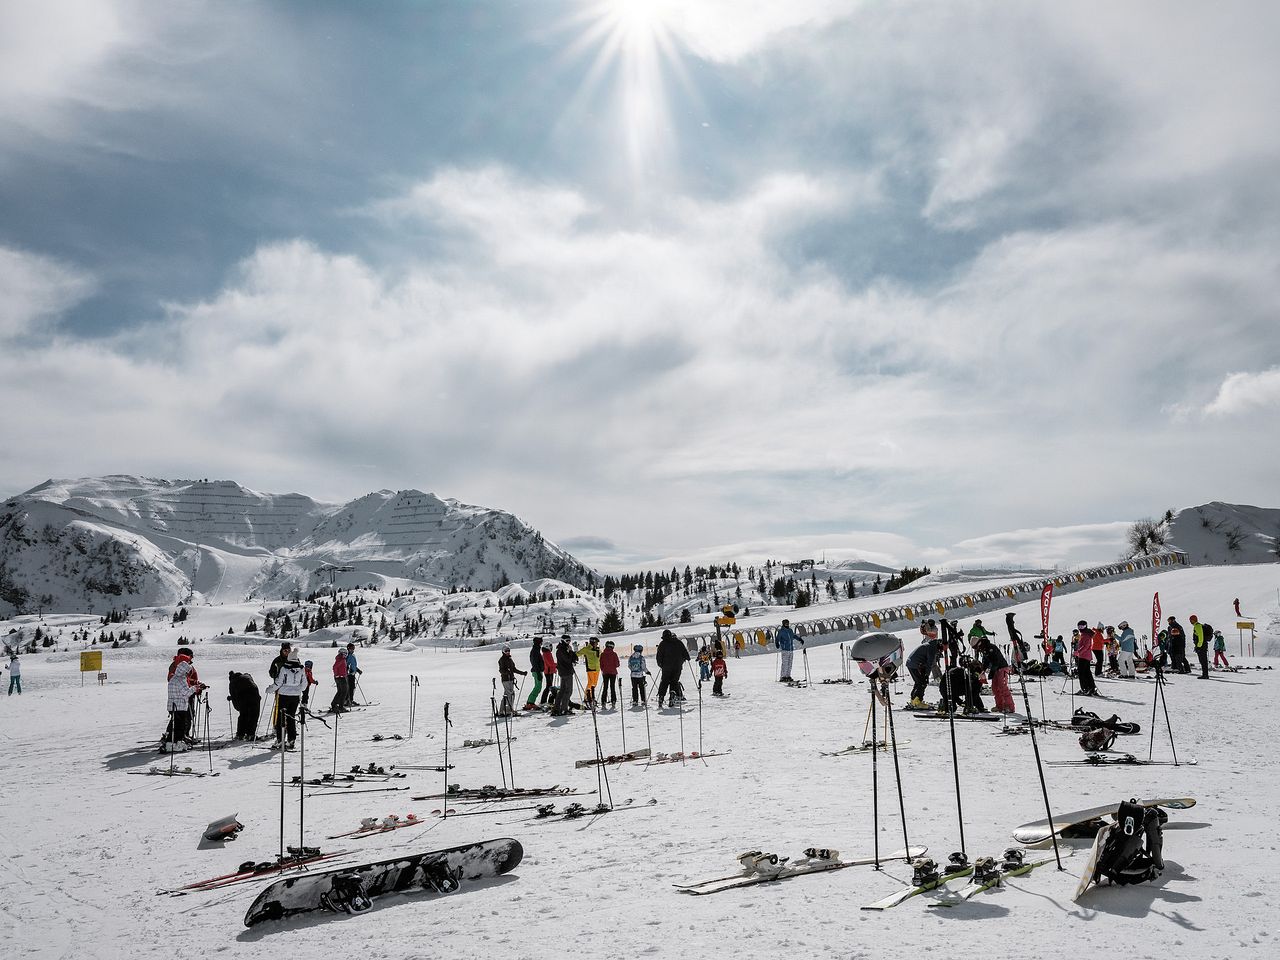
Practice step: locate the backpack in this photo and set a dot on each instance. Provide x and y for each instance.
(1132, 851)
(1097, 740)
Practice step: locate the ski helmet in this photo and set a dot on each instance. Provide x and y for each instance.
(638, 648)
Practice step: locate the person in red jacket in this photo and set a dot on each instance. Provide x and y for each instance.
(549, 672)
(719, 670)
(339, 703)
(1083, 654)
(609, 664)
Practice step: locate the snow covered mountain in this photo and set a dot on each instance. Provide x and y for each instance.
(1226, 533)
(123, 540)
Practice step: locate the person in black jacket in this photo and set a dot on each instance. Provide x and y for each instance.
(961, 688)
(535, 668)
(920, 664)
(244, 696)
(671, 656)
(507, 671)
(565, 660)
(1178, 646)
(274, 670)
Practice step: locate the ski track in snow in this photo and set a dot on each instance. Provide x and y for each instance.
(87, 846)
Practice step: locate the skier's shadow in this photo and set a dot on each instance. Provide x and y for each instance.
(252, 759)
(1141, 899)
(138, 757)
(386, 901)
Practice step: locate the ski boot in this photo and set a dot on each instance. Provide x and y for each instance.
(347, 894)
(956, 863)
(544, 810)
(924, 872)
(986, 871)
(1014, 857)
(574, 810)
(602, 808)
(389, 821)
(303, 851)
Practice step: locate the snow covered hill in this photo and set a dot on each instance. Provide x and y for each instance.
(128, 541)
(1226, 533)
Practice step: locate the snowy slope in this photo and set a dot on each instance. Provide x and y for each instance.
(1227, 533)
(83, 886)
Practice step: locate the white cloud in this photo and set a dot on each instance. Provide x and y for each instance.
(36, 289)
(1246, 392)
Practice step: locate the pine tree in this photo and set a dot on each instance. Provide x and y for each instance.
(612, 622)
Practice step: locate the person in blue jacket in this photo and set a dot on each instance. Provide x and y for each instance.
(785, 640)
(352, 672)
(1128, 650)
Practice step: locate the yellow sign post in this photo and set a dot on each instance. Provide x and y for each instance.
(1242, 626)
(90, 662)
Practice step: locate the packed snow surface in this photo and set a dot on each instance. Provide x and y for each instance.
(87, 845)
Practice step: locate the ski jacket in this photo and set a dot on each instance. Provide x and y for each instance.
(1219, 642)
(14, 667)
(507, 668)
(1128, 642)
(1203, 634)
(182, 683)
(977, 632)
(565, 658)
(290, 681)
(923, 657)
(636, 664)
(1177, 636)
(993, 659)
(277, 665)
(1099, 640)
(340, 666)
(1084, 645)
(671, 655)
(242, 691)
(536, 662)
(591, 657)
(784, 639)
(548, 660)
(352, 668)
(609, 662)
(719, 668)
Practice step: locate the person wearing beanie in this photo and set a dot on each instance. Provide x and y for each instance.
(609, 664)
(339, 702)
(183, 685)
(636, 666)
(549, 671)
(997, 669)
(672, 655)
(1178, 646)
(353, 673)
(288, 687)
(1099, 648)
(785, 640)
(247, 700)
(565, 661)
(536, 666)
(507, 671)
(719, 672)
(281, 659)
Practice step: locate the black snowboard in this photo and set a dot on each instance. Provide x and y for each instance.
(350, 889)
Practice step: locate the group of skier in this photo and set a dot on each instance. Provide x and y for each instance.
(959, 672)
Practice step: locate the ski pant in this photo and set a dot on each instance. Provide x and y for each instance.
(247, 718)
(537, 689)
(1000, 688)
(508, 698)
(15, 683)
(638, 694)
(1216, 655)
(351, 690)
(704, 671)
(1085, 676)
(1097, 665)
(593, 677)
(565, 697)
(921, 681)
(181, 726)
(339, 694)
(550, 690)
(717, 688)
(610, 692)
(787, 657)
(670, 683)
(1202, 654)
(286, 718)
(1125, 662)
(1179, 657)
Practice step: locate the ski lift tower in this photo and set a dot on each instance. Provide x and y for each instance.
(333, 569)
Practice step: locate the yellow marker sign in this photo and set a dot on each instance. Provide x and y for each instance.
(910, 614)
(762, 638)
(725, 621)
(727, 610)
(940, 607)
(90, 661)
(875, 620)
(968, 601)
(1244, 624)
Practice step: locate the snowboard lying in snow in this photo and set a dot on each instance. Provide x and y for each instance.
(351, 889)
(1085, 822)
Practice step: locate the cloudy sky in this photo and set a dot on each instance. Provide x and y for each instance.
(909, 281)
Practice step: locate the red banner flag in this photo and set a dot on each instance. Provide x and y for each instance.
(1046, 598)
(1155, 619)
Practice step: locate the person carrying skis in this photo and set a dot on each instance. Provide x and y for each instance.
(549, 671)
(281, 659)
(565, 660)
(536, 669)
(1128, 649)
(14, 666)
(785, 640)
(638, 670)
(609, 664)
(671, 657)
(244, 696)
(1021, 649)
(507, 671)
(1202, 637)
(183, 684)
(590, 655)
(288, 686)
(353, 672)
(339, 702)
(719, 671)
(1083, 654)
(920, 665)
(1220, 650)
(1178, 646)
(997, 668)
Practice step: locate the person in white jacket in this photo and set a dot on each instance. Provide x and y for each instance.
(288, 687)
(15, 674)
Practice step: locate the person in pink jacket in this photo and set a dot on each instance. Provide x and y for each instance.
(338, 705)
(1083, 654)
(548, 671)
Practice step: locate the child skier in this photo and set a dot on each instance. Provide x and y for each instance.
(719, 670)
(1219, 650)
(636, 665)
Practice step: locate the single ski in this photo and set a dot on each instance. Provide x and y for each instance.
(760, 867)
(867, 747)
(991, 874)
(678, 757)
(618, 758)
(926, 877)
(1119, 759)
(371, 825)
(253, 871)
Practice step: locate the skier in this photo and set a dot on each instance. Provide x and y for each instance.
(704, 664)
(565, 659)
(590, 655)
(1236, 603)
(671, 657)
(311, 682)
(785, 640)
(1202, 636)
(1178, 646)
(353, 672)
(978, 632)
(997, 668)
(1099, 644)
(719, 670)
(549, 671)
(960, 688)
(244, 696)
(15, 674)
(1128, 647)
(951, 636)
(288, 687)
(507, 671)
(1113, 652)
(1219, 650)
(609, 664)
(636, 665)
(183, 684)
(281, 659)
(1083, 654)
(1060, 652)
(339, 702)
(535, 668)
(920, 664)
